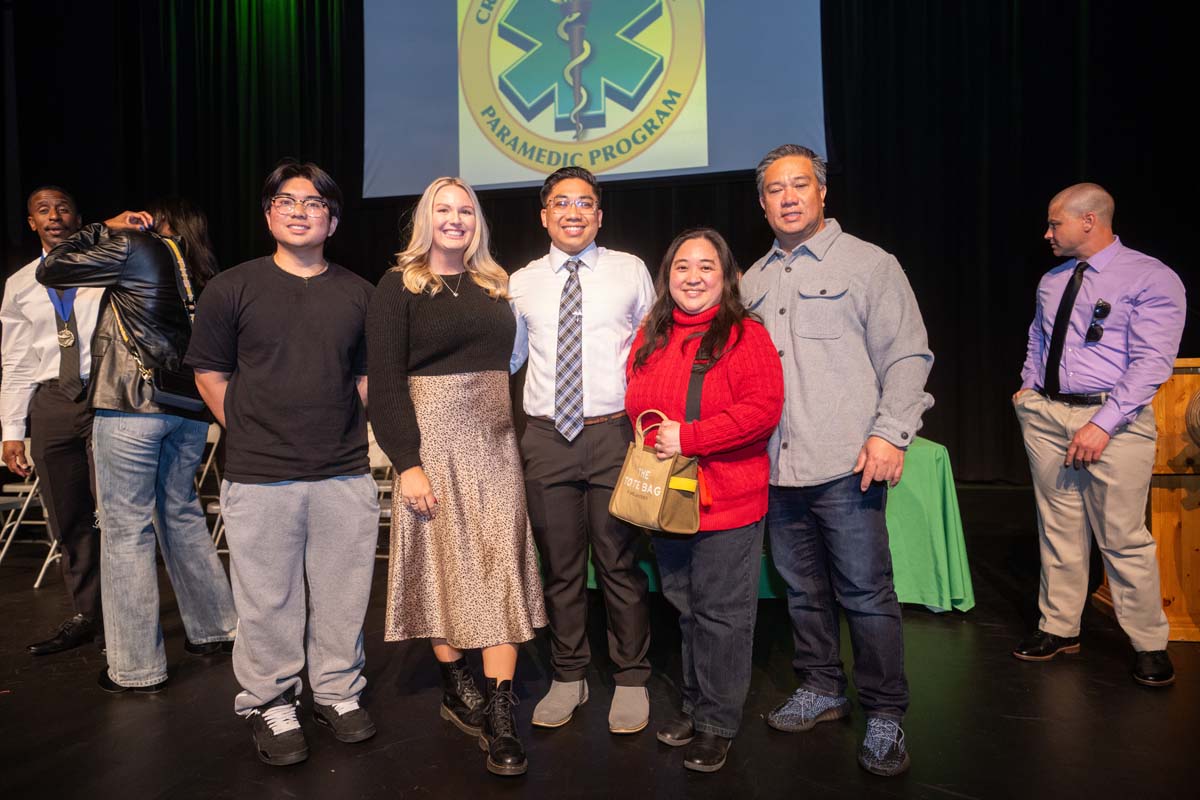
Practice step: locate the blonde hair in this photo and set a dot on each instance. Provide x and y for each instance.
(413, 261)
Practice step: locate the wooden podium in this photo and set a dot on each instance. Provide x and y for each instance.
(1173, 508)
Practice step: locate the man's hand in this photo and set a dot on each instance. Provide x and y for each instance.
(130, 221)
(14, 457)
(879, 460)
(1020, 392)
(1086, 446)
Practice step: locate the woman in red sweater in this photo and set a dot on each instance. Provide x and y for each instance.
(699, 322)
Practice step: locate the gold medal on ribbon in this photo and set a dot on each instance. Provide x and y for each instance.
(66, 338)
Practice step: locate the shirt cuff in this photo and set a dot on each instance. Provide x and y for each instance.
(13, 431)
(893, 431)
(1108, 418)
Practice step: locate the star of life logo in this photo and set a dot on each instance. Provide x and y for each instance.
(591, 83)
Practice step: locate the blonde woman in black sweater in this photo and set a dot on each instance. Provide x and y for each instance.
(463, 570)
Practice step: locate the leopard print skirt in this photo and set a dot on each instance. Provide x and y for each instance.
(469, 575)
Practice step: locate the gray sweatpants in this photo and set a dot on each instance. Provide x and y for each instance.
(279, 535)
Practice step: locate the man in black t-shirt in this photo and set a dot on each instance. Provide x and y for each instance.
(279, 351)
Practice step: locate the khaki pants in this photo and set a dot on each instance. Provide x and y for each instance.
(1107, 500)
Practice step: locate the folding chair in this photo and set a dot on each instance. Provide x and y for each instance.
(209, 465)
(381, 470)
(18, 499)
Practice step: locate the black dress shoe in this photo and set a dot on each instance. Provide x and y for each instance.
(1153, 668)
(678, 732)
(223, 648)
(1042, 646)
(112, 687)
(706, 753)
(72, 633)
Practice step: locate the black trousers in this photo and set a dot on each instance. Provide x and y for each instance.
(61, 434)
(568, 485)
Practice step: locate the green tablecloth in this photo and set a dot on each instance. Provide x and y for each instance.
(929, 556)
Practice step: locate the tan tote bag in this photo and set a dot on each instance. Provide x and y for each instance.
(657, 495)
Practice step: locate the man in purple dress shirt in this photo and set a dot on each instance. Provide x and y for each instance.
(1084, 409)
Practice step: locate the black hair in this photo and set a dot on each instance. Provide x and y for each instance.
(661, 318)
(290, 168)
(189, 223)
(50, 187)
(565, 173)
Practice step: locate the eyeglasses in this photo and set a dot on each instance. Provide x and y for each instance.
(1095, 331)
(286, 204)
(561, 205)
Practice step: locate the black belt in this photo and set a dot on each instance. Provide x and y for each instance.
(1075, 399)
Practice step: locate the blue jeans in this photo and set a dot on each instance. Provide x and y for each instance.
(145, 467)
(712, 580)
(830, 545)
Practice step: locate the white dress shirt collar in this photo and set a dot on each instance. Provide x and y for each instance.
(589, 256)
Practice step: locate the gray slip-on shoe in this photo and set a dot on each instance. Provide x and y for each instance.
(559, 704)
(630, 710)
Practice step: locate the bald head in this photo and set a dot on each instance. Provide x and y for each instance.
(1079, 222)
(1087, 197)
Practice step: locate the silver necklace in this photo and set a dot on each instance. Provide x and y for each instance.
(457, 286)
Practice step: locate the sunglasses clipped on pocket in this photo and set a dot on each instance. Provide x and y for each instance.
(1095, 331)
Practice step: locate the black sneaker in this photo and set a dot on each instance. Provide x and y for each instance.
(277, 733)
(348, 721)
(883, 751)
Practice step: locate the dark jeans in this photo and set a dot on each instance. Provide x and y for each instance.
(568, 485)
(712, 580)
(830, 545)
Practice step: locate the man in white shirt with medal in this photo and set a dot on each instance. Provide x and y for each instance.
(47, 359)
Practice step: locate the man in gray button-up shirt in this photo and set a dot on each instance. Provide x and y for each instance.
(855, 360)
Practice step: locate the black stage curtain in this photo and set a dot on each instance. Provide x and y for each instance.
(950, 125)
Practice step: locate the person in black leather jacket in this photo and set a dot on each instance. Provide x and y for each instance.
(146, 452)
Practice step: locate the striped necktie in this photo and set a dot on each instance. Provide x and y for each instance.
(568, 370)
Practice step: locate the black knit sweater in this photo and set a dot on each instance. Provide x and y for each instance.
(410, 334)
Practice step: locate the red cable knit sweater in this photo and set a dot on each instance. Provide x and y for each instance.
(739, 409)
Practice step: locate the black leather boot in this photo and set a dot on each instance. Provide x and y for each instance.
(462, 703)
(506, 754)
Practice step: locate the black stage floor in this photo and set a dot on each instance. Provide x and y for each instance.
(981, 725)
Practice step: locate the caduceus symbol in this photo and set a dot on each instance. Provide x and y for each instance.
(571, 30)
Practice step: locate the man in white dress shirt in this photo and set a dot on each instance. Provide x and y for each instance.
(577, 310)
(47, 360)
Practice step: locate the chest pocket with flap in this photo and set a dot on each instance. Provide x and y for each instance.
(819, 309)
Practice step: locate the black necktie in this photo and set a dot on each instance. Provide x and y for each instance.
(68, 355)
(1062, 321)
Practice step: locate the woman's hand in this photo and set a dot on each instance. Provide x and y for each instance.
(666, 442)
(416, 493)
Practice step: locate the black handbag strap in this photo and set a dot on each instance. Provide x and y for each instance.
(695, 387)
